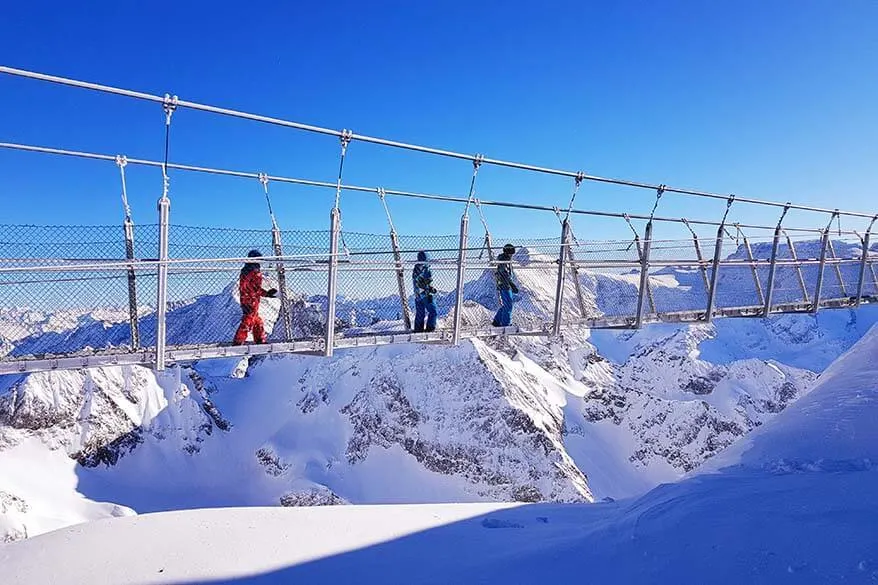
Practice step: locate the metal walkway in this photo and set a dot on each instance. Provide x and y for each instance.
(160, 293)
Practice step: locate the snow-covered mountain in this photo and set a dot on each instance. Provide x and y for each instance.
(793, 502)
(592, 415)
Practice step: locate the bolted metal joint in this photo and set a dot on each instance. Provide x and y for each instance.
(477, 161)
(169, 105)
(346, 137)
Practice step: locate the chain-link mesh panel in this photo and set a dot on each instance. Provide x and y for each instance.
(375, 286)
(204, 306)
(65, 289)
(609, 279)
(535, 272)
(841, 274)
(678, 282)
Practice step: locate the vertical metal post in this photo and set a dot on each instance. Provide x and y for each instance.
(755, 271)
(461, 273)
(332, 281)
(844, 292)
(400, 281)
(819, 284)
(772, 271)
(559, 287)
(795, 257)
(286, 318)
(640, 250)
(644, 275)
(863, 262)
(164, 207)
(714, 275)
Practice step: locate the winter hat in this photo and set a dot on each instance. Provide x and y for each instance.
(422, 256)
(509, 249)
(254, 254)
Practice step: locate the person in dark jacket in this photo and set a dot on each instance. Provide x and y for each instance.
(251, 292)
(422, 282)
(505, 286)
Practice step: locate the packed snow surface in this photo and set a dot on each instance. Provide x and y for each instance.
(796, 501)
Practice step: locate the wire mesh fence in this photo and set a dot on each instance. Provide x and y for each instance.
(68, 290)
(609, 278)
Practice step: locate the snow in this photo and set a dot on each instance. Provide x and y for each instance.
(795, 502)
(44, 481)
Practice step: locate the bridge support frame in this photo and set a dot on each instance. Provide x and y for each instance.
(837, 266)
(644, 275)
(795, 257)
(562, 270)
(285, 316)
(161, 332)
(133, 318)
(698, 254)
(461, 277)
(772, 271)
(755, 271)
(574, 273)
(332, 281)
(864, 261)
(824, 245)
(714, 274)
(397, 258)
(772, 266)
(400, 281)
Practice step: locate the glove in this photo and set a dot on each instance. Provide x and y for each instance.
(513, 288)
(431, 290)
(271, 293)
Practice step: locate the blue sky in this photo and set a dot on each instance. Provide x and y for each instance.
(747, 97)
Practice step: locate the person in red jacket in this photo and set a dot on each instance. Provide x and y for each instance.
(251, 291)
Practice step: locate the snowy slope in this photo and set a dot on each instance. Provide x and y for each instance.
(795, 502)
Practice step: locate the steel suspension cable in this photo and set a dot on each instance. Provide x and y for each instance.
(169, 105)
(122, 162)
(357, 188)
(397, 144)
(477, 162)
(263, 179)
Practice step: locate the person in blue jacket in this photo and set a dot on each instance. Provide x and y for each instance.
(422, 282)
(505, 286)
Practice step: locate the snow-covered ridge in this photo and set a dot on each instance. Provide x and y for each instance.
(795, 502)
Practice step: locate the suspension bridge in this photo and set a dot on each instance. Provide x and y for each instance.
(165, 292)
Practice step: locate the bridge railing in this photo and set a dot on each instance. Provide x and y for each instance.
(71, 297)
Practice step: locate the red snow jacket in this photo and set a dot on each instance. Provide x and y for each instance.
(250, 287)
